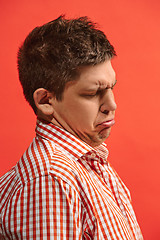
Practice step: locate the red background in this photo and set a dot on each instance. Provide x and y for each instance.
(133, 27)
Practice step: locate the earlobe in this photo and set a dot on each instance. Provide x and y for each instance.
(43, 101)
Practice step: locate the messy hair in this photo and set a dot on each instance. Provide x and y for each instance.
(52, 53)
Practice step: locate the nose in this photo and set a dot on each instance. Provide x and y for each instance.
(108, 102)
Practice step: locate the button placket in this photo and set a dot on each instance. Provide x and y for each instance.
(96, 163)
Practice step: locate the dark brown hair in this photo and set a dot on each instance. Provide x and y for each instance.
(51, 54)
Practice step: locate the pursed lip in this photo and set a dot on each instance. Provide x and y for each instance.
(107, 124)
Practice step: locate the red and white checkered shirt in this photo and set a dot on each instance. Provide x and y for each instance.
(64, 189)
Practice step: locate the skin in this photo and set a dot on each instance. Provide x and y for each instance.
(87, 108)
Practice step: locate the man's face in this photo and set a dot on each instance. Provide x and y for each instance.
(88, 107)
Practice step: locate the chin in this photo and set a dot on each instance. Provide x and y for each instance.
(104, 134)
(98, 140)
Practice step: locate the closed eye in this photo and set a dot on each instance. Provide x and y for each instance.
(96, 94)
(90, 95)
(99, 92)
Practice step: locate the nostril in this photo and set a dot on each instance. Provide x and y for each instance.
(105, 111)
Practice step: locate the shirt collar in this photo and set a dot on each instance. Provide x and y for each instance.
(75, 147)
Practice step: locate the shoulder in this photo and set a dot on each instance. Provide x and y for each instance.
(9, 185)
(67, 169)
(43, 166)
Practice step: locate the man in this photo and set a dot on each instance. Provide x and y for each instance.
(63, 186)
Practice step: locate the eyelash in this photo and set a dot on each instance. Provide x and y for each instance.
(98, 92)
(92, 95)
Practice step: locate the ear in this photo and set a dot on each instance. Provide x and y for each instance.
(43, 100)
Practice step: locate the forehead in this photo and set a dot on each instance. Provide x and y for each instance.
(100, 75)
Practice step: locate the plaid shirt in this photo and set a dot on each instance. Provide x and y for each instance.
(64, 189)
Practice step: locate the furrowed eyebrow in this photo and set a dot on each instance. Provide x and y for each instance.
(112, 86)
(99, 88)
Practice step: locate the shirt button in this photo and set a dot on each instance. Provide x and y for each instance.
(93, 155)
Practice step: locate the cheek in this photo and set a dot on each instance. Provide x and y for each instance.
(84, 113)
